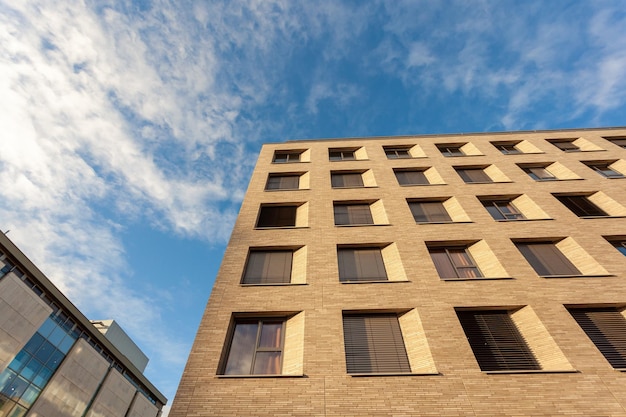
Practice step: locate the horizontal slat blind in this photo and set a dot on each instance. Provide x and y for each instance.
(496, 342)
(606, 328)
(374, 344)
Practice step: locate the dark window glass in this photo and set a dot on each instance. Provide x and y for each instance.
(546, 259)
(507, 148)
(451, 150)
(567, 146)
(256, 348)
(606, 328)
(581, 206)
(539, 173)
(277, 216)
(620, 246)
(496, 342)
(268, 267)
(341, 154)
(429, 211)
(352, 214)
(470, 175)
(397, 153)
(603, 169)
(414, 177)
(346, 179)
(281, 157)
(502, 210)
(374, 344)
(361, 264)
(283, 182)
(618, 140)
(454, 262)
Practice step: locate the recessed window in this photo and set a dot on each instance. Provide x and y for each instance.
(374, 344)
(581, 206)
(397, 152)
(283, 182)
(620, 245)
(352, 214)
(451, 149)
(411, 177)
(473, 175)
(502, 209)
(346, 179)
(566, 145)
(268, 267)
(429, 211)
(361, 264)
(256, 347)
(346, 154)
(546, 259)
(607, 169)
(617, 140)
(454, 262)
(507, 148)
(282, 157)
(606, 328)
(539, 173)
(277, 216)
(496, 341)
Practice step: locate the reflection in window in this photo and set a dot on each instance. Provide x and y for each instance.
(454, 262)
(429, 212)
(502, 210)
(256, 347)
(539, 173)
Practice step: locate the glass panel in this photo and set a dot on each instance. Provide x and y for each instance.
(271, 335)
(411, 177)
(267, 363)
(56, 336)
(242, 349)
(45, 351)
(16, 388)
(442, 262)
(6, 379)
(18, 411)
(48, 326)
(19, 361)
(42, 378)
(34, 343)
(55, 359)
(66, 344)
(29, 396)
(31, 369)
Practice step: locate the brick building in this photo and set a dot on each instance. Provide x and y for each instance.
(446, 275)
(54, 362)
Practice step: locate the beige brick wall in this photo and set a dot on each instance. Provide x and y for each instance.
(435, 340)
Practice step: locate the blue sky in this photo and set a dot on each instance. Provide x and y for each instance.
(130, 128)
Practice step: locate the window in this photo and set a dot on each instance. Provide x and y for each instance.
(346, 179)
(361, 264)
(620, 245)
(502, 210)
(539, 173)
(268, 267)
(507, 148)
(581, 206)
(256, 347)
(473, 175)
(546, 259)
(451, 149)
(566, 145)
(374, 344)
(604, 169)
(397, 152)
(277, 216)
(454, 262)
(341, 154)
(411, 177)
(606, 328)
(496, 342)
(282, 157)
(352, 214)
(617, 140)
(283, 182)
(429, 211)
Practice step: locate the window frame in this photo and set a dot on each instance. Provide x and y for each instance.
(528, 169)
(274, 175)
(505, 147)
(514, 213)
(581, 206)
(342, 174)
(368, 352)
(256, 348)
(342, 154)
(451, 263)
(264, 279)
(543, 263)
(451, 149)
(290, 154)
(602, 331)
(398, 152)
(617, 140)
(277, 207)
(602, 166)
(405, 174)
(345, 264)
(572, 148)
(352, 211)
(462, 172)
(413, 207)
